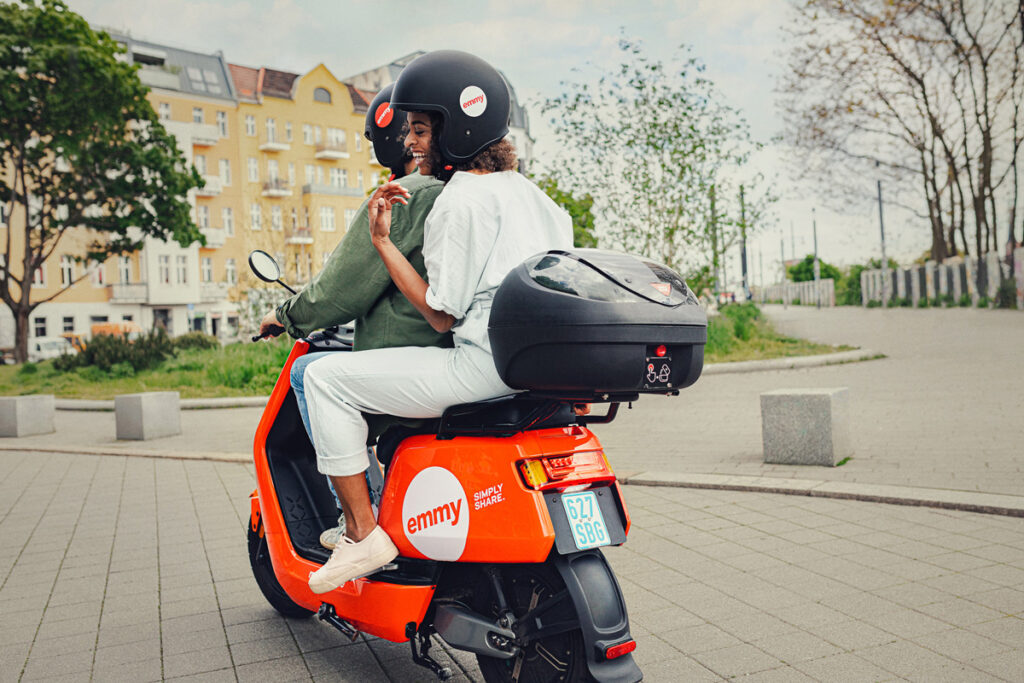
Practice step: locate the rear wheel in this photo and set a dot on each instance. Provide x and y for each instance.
(263, 572)
(557, 657)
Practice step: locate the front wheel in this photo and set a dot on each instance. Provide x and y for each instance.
(557, 657)
(263, 572)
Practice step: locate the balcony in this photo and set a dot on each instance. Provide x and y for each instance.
(274, 145)
(300, 236)
(205, 134)
(212, 292)
(215, 237)
(316, 188)
(277, 187)
(131, 293)
(332, 151)
(212, 187)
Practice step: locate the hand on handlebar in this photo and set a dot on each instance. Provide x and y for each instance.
(270, 326)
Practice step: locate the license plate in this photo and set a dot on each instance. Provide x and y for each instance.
(585, 520)
(658, 373)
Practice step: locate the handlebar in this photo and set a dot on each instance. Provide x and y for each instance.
(272, 331)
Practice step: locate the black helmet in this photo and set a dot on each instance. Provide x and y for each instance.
(384, 129)
(469, 93)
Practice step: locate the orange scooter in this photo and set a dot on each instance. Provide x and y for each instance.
(499, 508)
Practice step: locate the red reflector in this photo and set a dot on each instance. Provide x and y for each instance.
(661, 351)
(620, 649)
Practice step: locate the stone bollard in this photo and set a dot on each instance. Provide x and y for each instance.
(149, 415)
(27, 415)
(806, 426)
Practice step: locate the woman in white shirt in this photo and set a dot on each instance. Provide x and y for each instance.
(487, 220)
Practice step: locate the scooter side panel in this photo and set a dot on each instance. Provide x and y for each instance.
(463, 499)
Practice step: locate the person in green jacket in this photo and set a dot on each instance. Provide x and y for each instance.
(355, 285)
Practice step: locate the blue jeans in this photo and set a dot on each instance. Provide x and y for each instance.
(297, 378)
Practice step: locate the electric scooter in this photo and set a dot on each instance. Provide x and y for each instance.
(499, 510)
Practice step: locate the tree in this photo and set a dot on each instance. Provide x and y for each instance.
(579, 209)
(81, 152)
(804, 271)
(927, 94)
(652, 144)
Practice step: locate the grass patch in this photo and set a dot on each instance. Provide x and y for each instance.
(844, 461)
(242, 369)
(742, 333)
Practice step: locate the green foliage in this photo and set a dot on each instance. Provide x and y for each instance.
(76, 127)
(1006, 296)
(580, 209)
(965, 300)
(848, 292)
(28, 369)
(122, 370)
(947, 300)
(982, 302)
(874, 303)
(922, 302)
(700, 279)
(804, 271)
(906, 302)
(795, 302)
(651, 142)
(105, 352)
(195, 340)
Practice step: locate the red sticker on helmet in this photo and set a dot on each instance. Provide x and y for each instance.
(473, 101)
(663, 287)
(382, 117)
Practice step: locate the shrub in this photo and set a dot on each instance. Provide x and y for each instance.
(1006, 296)
(105, 351)
(947, 300)
(905, 302)
(122, 370)
(965, 300)
(874, 303)
(196, 340)
(982, 302)
(795, 302)
(91, 373)
(28, 368)
(922, 302)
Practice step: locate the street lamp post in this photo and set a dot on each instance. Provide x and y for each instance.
(817, 266)
(885, 261)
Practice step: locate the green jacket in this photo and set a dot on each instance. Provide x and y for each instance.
(355, 285)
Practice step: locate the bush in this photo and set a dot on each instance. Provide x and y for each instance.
(982, 302)
(105, 351)
(922, 302)
(905, 302)
(947, 300)
(1006, 296)
(795, 302)
(28, 368)
(122, 370)
(874, 303)
(965, 300)
(196, 340)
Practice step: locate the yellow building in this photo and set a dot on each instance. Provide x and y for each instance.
(286, 167)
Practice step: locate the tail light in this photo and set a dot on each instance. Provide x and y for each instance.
(564, 470)
(621, 649)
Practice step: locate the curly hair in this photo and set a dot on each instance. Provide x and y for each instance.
(499, 156)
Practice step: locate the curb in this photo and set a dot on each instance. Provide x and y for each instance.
(794, 363)
(946, 499)
(134, 453)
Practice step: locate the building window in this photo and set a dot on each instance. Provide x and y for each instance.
(165, 111)
(207, 269)
(203, 216)
(250, 125)
(200, 164)
(39, 326)
(358, 139)
(182, 269)
(98, 275)
(254, 169)
(197, 114)
(124, 269)
(327, 218)
(67, 271)
(336, 136)
(227, 217)
(39, 276)
(222, 123)
(307, 134)
(310, 173)
(360, 178)
(350, 215)
(317, 137)
(287, 131)
(230, 273)
(291, 173)
(164, 262)
(272, 172)
(319, 175)
(255, 217)
(225, 171)
(295, 218)
(276, 222)
(271, 130)
(322, 95)
(336, 178)
(68, 323)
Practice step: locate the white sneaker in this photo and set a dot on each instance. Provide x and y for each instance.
(351, 560)
(330, 537)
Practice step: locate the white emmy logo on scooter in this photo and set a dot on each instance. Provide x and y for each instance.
(435, 514)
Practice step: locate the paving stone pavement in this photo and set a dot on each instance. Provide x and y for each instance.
(134, 569)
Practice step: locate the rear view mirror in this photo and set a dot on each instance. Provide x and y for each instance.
(264, 266)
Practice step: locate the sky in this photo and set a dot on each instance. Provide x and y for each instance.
(536, 44)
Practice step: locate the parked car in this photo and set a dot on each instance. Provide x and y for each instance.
(42, 348)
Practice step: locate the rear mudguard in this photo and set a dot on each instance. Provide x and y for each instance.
(602, 613)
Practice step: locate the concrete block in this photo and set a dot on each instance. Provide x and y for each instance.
(149, 415)
(806, 426)
(27, 415)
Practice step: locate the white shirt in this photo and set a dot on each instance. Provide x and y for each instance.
(481, 227)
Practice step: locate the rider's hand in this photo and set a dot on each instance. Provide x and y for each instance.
(379, 208)
(268, 324)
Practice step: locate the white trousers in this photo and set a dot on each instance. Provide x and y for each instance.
(408, 381)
